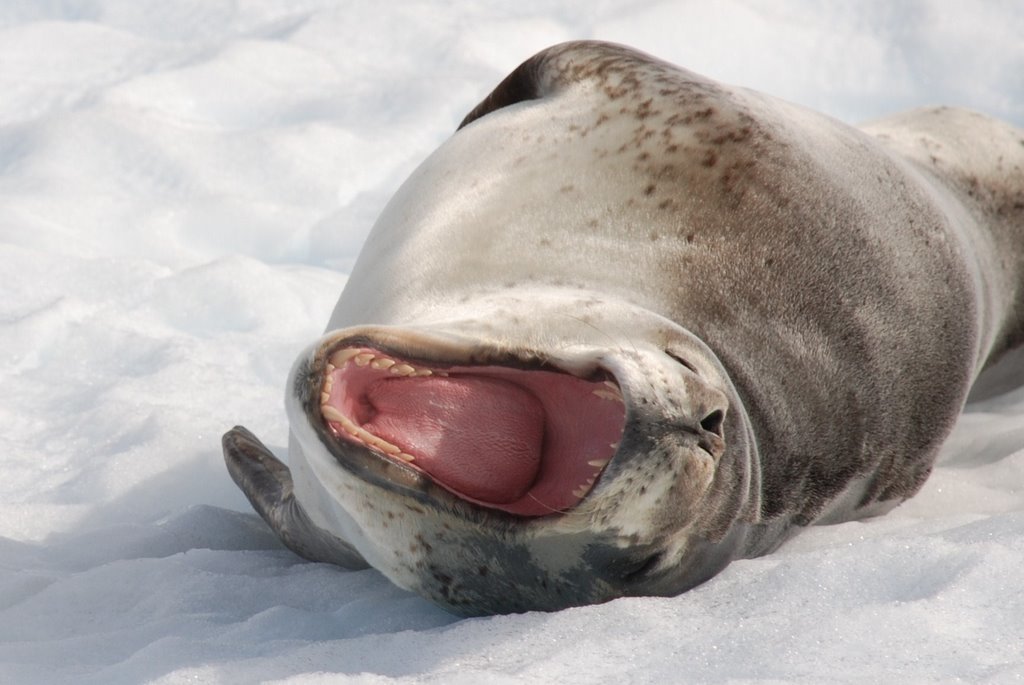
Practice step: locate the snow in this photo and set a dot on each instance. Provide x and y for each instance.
(183, 186)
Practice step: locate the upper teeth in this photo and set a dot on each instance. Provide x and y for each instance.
(375, 360)
(401, 370)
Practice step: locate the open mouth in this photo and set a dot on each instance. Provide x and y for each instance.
(528, 442)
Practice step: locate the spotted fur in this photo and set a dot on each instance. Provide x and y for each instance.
(794, 310)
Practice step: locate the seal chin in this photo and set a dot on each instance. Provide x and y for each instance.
(501, 432)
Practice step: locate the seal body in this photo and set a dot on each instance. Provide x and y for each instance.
(629, 324)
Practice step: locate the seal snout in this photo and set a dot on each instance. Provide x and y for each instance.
(527, 441)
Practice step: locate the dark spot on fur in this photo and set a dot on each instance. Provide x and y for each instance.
(644, 110)
(710, 159)
(649, 190)
(734, 136)
(444, 579)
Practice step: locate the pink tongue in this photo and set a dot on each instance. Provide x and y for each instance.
(479, 436)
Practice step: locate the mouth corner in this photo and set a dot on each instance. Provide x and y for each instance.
(506, 436)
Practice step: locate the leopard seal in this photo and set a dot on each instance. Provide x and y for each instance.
(629, 324)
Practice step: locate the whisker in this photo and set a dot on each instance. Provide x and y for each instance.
(611, 339)
(547, 506)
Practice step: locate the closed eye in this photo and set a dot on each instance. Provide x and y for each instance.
(682, 361)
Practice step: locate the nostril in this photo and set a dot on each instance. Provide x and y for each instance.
(712, 423)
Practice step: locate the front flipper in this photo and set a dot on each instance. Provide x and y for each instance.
(268, 484)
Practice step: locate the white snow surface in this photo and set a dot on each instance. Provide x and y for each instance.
(183, 188)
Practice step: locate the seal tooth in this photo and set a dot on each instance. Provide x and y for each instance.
(354, 430)
(346, 423)
(341, 357)
(608, 395)
(325, 397)
(389, 448)
(364, 358)
(584, 488)
(382, 363)
(422, 372)
(401, 370)
(614, 445)
(332, 414)
(598, 463)
(363, 435)
(380, 443)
